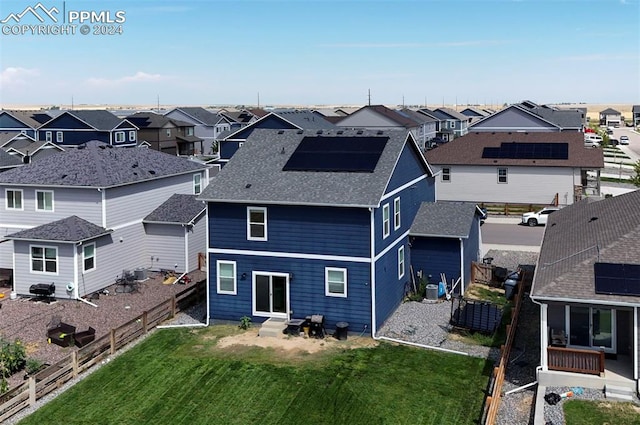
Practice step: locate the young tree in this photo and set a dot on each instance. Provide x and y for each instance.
(636, 179)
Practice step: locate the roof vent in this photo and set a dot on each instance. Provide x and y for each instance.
(247, 186)
(359, 132)
(282, 151)
(319, 132)
(380, 132)
(299, 131)
(152, 172)
(593, 219)
(339, 131)
(102, 146)
(280, 131)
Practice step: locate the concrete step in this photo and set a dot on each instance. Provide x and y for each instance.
(272, 327)
(618, 393)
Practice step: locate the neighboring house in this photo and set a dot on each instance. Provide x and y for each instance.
(512, 168)
(207, 124)
(427, 127)
(518, 118)
(8, 161)
(452, 124)
(635, 112)
(587, 283)
(73, 128)
(611, 118)
(242, 118)
(474, 114)
(379, 117)
(176, 233)
(15, 138)
(276, 120)
(24, 122)
(166, 134)
(34, 151)
(568, 119)
(76, 219)
(303, 223)
(445, 238)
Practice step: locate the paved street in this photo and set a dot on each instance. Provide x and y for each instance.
(505, 233)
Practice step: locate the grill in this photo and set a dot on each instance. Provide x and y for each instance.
(43, 291)
(317, 326)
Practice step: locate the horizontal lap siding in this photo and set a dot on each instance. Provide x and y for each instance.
(390, 288)
(133, 202)
(307, 290)
(165, 243)
(436, 255)
(409, 167)
(24, 278)
(85, 203)
(527, 185)
(6, 248)
(197, 237)
(305, 230)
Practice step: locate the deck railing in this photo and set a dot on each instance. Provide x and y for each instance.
(576, 360)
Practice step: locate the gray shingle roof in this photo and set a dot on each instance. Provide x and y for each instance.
(467, 150)
(100, 166)
(178, 209)
(444, 219)
(98, 119)
(71, 229)
(200, 114)
(153, 120)
(610, 111)
(576, 237)
(563, 118)
(8, 160)
(306, 119)
(417, 116)
(254, 173)
(28, 118)
(448, 113)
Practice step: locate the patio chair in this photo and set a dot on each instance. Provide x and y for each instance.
(83, 338)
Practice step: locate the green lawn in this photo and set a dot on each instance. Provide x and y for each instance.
(180, 376)
(582, 412)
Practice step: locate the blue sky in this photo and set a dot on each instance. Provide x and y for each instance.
(303, 52)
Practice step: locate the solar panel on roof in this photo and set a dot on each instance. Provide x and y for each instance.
(526, 150)
(617, 279)
(350, 154)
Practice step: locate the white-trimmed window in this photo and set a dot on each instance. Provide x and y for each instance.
(168, 132)
(89, 257)
(48, 136)
(44, 259)
(190, 131)
(335, 282)
(502, 175)
(401, 262)
(44, 200)
(446, 174)
(119, 136)
(256, 223)
(386, 221)
(396, 213)
(132, 135)
(197, 184)
(14, 199)
(59, 137)
(226, 277)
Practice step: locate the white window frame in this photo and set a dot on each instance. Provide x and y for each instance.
(234, 291)
(59, 137)
(190, 131)
(168, 132)
(401, 262)
(386, 221)
(197, 184)
(249, 223)
(38, 202)
(397, 219)
(506, 175)
(13, 193)
(446, 174)
(43, 259)
(48, 136)
(132, 135)
(85, 257)
(120, 137)
(327, 292)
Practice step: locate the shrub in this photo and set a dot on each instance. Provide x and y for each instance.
(12, 359)
(245, 322)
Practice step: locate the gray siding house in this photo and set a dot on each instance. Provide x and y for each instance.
(76, 219)
(206, 124)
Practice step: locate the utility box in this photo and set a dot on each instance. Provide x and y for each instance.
(432, 292)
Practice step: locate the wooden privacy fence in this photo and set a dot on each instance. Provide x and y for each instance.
(576, 360)
(493, 401)
(53, 377)
(481, 273)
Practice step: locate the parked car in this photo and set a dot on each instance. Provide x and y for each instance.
(591, 144)
(614, 142)
(624, 140)
(538, 217)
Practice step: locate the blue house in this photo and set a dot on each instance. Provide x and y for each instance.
(304, 222)
(22, 122)
(277, 120)
(78, 127)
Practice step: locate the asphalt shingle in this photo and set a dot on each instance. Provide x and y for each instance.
(444, 219)
(178, 209)
(71, 229)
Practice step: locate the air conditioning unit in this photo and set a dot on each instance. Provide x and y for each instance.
(140, 274)
(432, 292)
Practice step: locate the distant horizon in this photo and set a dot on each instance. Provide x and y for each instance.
(350, 52)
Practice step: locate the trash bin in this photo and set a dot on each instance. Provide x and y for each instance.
(341, 330)
(510, 288)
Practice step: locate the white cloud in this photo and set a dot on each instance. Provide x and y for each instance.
(17, 76)
(138, 77)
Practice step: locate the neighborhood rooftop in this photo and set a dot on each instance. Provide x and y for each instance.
(444, 219)
(72, 229)
(255, 173)
(99, 166)
(178, 209)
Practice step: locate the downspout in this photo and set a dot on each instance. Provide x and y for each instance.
(186, 248)
(372, 248)
(462, 280)
(635, 343)
(104, 207)
(75, 277)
